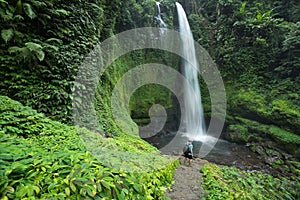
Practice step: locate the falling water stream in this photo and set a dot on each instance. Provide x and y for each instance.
(159, 19)
(193, 118)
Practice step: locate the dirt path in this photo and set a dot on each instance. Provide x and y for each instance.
(188, 181)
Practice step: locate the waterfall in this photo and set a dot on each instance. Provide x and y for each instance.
(159, 19)
(193, 118)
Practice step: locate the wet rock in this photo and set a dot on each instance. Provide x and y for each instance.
(274, 153)
(176, 153)
(258, 149)
(269, 160)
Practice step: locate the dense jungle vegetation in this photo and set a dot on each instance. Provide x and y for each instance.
(255, 45)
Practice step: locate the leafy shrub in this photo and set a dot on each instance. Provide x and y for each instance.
(53, 162)
(232, 183)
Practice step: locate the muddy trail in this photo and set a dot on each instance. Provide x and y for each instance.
(188, 180)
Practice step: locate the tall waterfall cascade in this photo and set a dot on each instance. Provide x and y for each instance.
(159, 19)
(193, 117)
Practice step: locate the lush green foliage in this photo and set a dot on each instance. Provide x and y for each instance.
(42, 43)
(272, 131)
(232, 183)
(250, 36)
(254, 44)
(42, 159)
(273, 107)
(270, 142)
(39, 63)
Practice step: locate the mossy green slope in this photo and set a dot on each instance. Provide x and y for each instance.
(41, 159)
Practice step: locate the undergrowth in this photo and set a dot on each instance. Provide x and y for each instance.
(44, 159)
(232, 183)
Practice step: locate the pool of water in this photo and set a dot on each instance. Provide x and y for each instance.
(223, 152)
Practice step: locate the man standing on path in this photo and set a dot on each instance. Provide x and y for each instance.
(188, 153)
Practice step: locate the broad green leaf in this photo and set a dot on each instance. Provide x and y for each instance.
(36, 189)
(22, 191)
(67, 191)
(29, 11)
(3, 1)
(73, 187)
(62, 11)
(7, 34)
(4, 197)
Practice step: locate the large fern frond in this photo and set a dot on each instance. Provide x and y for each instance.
(37, 49)
(7, 34)
(29, 11)
(22, 53)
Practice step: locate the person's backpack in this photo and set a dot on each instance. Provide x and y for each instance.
(186, 149)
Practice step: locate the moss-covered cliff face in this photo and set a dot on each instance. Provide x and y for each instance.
(39, 64)
(266, 118)
(42, 45)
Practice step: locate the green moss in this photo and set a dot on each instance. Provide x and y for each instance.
(148, 95)
(253, 126)
(285, 140)
(239, 133)
(277, 162)
(284, 136)
(250, 102)
(286, 112)
(259, 106)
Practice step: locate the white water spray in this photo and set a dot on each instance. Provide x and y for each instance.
(193, 112)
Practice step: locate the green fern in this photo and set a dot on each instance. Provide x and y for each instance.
(21, 53)
(36, 49)
(30, 51)
(7, 34)
(54, 40)
(39, 4)
(6, 13)
(62, 12)
(29, 11)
